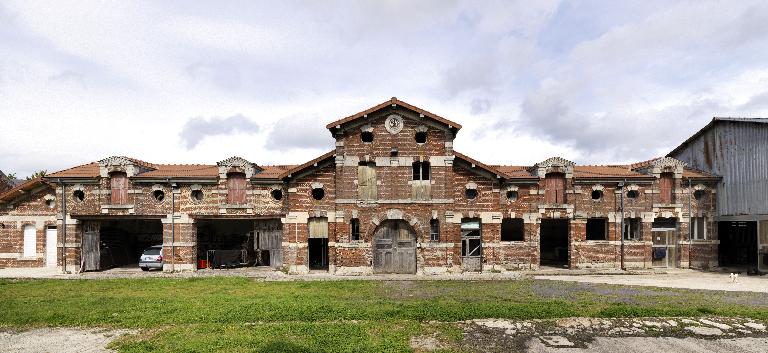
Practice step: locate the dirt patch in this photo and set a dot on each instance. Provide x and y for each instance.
(58, 340)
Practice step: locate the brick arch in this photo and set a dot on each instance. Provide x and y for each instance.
(396, 214)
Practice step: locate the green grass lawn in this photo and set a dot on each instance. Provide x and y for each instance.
(240, 314)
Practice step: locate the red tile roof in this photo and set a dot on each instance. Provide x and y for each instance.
(605, 171)
(25, 186)
(311, 163)
(90, 170)
(396, 101)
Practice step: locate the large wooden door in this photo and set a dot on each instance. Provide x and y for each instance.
(394, 248)
(91, 248)
(268, 242)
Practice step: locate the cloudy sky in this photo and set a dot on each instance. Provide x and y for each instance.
(197, 82)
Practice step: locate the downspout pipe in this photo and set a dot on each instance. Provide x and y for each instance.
(63, 224)
(173, 225)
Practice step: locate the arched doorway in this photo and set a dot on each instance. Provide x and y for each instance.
(394, 247)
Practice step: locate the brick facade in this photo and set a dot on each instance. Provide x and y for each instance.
(457, 189)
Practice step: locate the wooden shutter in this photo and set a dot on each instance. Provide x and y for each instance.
(119, 188)
(554, 188)
(318, 227)
(665, 186)
(236, 189)
(366, 182)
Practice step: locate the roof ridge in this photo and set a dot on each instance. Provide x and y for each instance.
(393, 101)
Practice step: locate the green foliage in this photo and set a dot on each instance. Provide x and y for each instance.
(37, 174)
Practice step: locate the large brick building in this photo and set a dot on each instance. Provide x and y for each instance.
(392, 196)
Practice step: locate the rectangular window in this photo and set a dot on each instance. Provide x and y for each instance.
(512, 229)
(366, 181)
(554, 188)
(354, 225)
(597, 229)
(471, 244)
(421, 171)
(434, 230)
(699, 228)
(632, 228)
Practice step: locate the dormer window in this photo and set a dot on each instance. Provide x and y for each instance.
(554, 188)
(118, 182)
(236, 188)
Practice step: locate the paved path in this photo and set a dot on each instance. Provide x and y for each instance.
(689, 279)
(657, 344)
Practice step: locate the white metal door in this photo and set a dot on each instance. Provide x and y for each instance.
(50, 247)
(30, 241)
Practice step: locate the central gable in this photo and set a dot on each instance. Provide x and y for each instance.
(393, 110)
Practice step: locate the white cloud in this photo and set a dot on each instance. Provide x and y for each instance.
(81, 80)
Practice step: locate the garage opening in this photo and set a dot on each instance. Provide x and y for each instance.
(738, 244)
(554, 242)
(231, 243)
(118, 243)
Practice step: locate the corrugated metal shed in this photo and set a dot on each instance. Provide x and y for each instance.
(737, 150)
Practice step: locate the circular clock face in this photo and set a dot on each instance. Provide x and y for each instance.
(394, 123)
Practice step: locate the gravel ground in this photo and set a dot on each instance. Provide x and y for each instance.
(63, 340)
(679, 279)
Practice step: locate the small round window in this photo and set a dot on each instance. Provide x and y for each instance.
(511, 195)
(698, 194)
(78, 195)
(366, 136)
(277, 194)
(421, 137)
(318, 193)
(50, 203)
(158, 195)
(471, 194)
(197, 195)
(597, 195)
(632, 194)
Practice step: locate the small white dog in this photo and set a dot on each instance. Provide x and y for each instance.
(734, 277)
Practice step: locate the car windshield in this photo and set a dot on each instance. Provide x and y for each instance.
(152, 251)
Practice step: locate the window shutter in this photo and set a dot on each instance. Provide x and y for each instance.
(665, 185)
(236, 189)
(119, 188)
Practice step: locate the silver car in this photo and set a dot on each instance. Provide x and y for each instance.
(152, 257)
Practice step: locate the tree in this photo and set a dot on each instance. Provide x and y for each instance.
(11, 176)
(37, 174)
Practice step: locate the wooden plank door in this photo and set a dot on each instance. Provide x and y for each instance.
(394, 248)
(119, 188)
(236, 188)
(665, 188)
(554, 188)
(91, 248)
